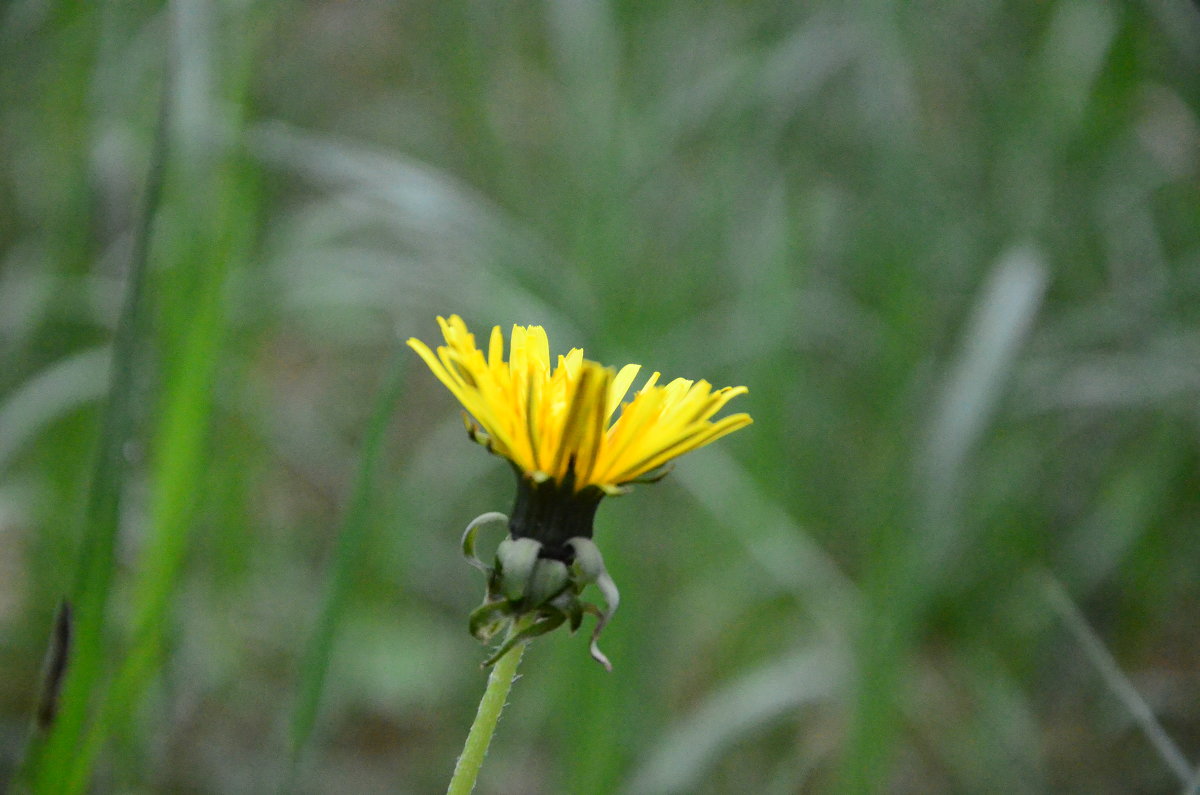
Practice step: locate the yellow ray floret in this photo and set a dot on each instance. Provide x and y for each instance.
(549, 420)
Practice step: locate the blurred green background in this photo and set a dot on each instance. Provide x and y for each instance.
(952, 249)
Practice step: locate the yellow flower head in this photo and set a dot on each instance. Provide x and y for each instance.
(556, 426)
(557, 423)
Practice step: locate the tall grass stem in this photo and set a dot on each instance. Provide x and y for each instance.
(345, 564)
(51, 755)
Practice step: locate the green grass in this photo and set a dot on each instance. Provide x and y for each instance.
(346, 563)
(54, 748)
(953, 254)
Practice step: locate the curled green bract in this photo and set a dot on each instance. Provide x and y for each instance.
(532, 589)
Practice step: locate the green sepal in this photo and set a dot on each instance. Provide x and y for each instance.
(575, 611)
(589, 568)
(594, 647)
(517, 562)
(588, 564)
(487, 619)
(468, 538)
(550, 578)
(547, 623)
(534, 595)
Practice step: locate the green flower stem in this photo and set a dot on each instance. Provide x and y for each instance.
(480, 737)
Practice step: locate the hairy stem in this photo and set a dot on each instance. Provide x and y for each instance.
(480, 737)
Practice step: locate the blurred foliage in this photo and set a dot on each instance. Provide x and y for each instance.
(953, 250)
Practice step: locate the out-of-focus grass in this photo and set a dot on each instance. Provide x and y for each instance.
(953, 253)
(347, 561)
(73, 679)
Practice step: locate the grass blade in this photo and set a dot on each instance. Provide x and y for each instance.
(51, 754)
(349, 544)
(1117, 682)
(208, 187)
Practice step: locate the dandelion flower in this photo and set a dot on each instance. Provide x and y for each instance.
(566, 427)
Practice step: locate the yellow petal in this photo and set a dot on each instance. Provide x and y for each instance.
(552, 421)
